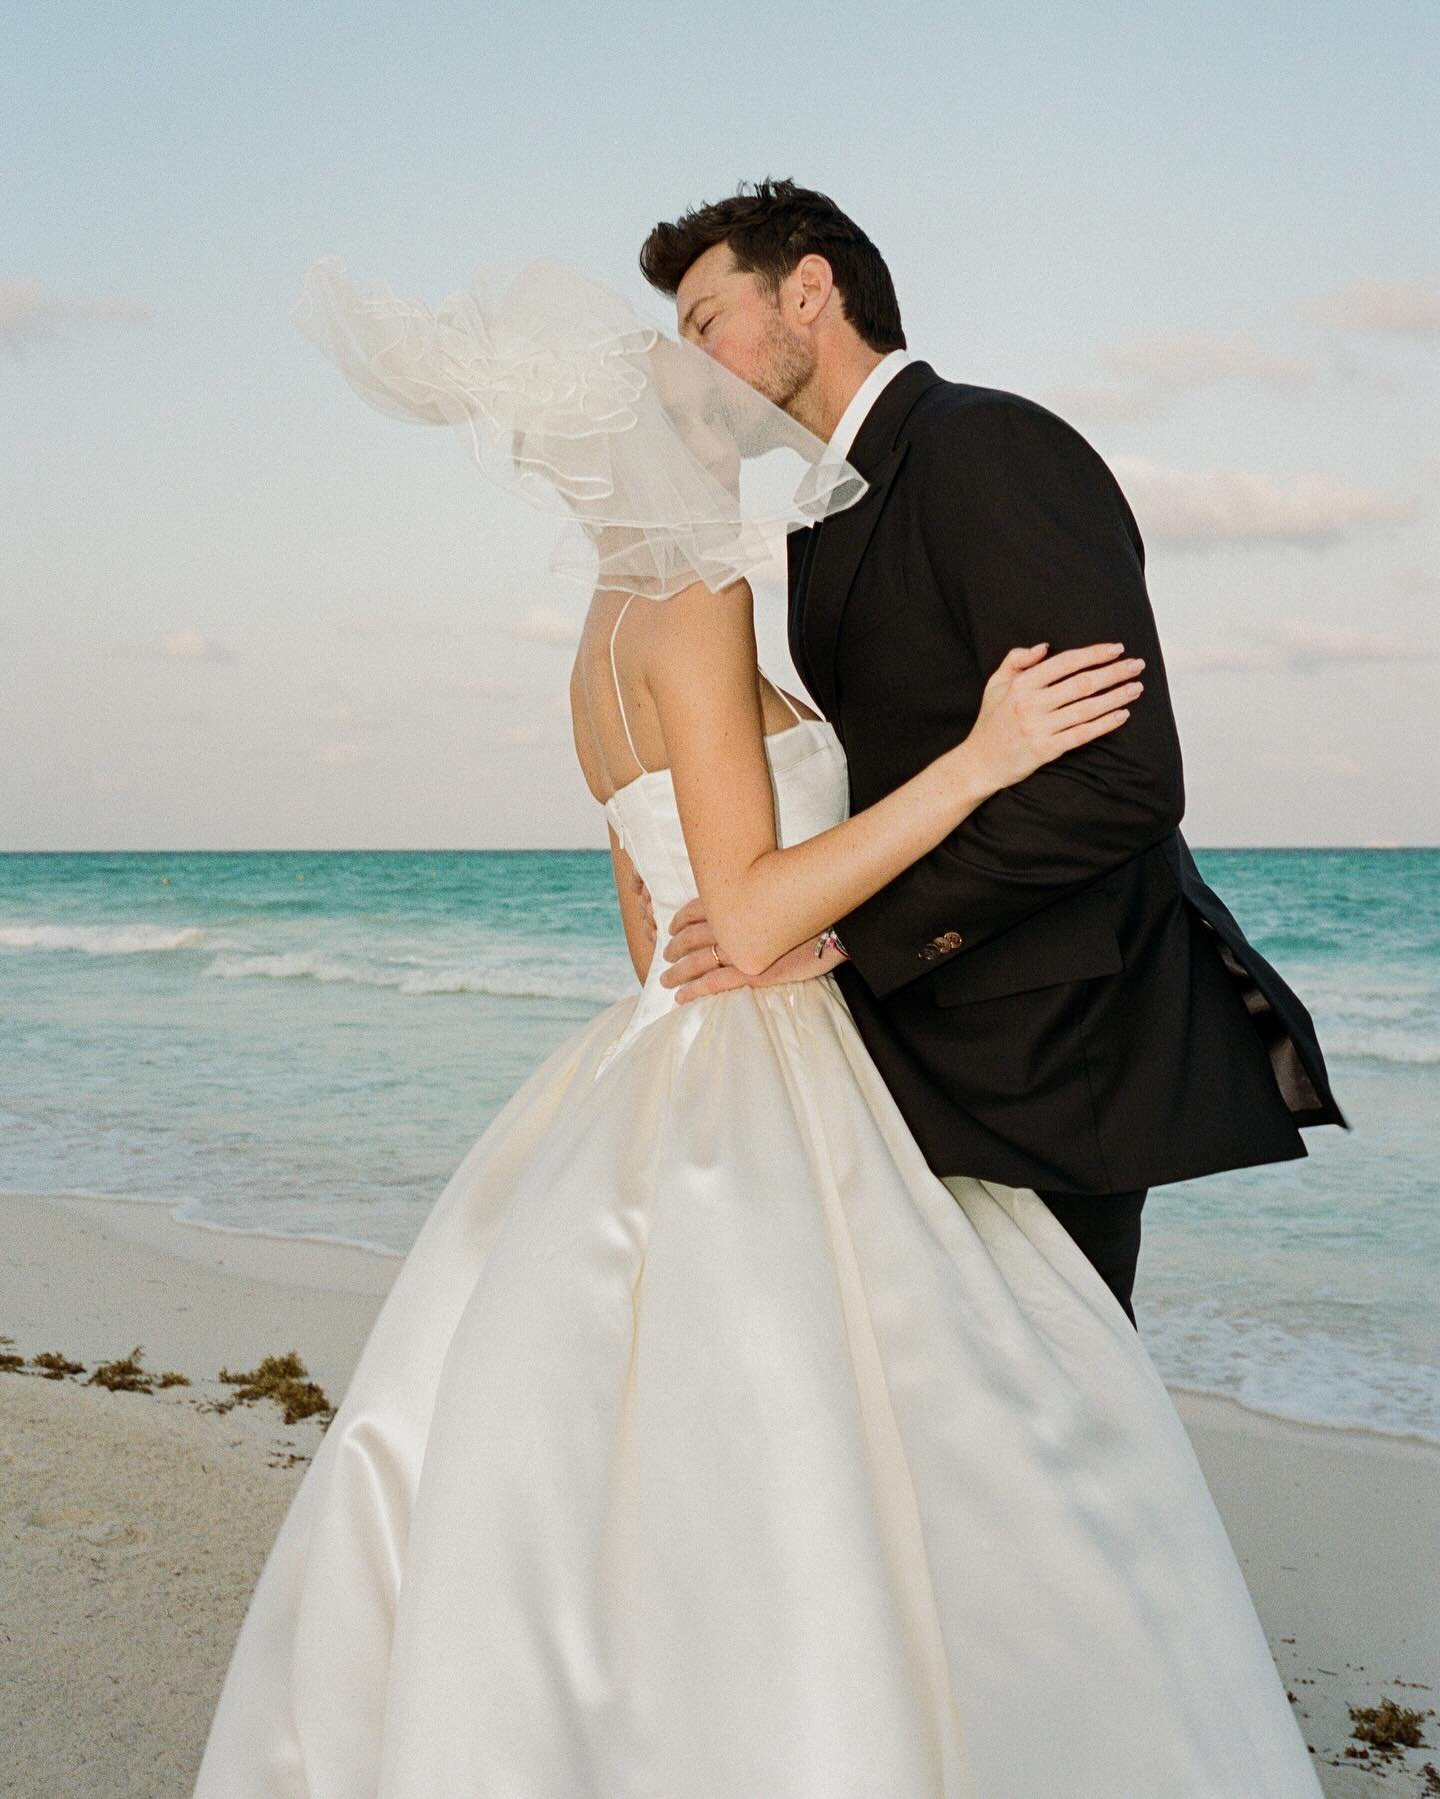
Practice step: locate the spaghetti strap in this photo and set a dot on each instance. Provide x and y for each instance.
(788, 701)
(615, 675)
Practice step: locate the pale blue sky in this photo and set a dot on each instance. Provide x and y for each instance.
(240, 609)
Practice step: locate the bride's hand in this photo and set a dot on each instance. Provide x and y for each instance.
(1036, 707)
(698, 970)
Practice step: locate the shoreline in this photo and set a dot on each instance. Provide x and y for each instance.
(340, 1265)
(141, 1520)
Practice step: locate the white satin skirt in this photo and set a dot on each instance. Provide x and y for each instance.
(707, 1446)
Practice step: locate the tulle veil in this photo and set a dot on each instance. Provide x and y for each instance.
(663, 467)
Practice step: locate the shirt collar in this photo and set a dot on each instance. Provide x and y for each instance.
(862, 400)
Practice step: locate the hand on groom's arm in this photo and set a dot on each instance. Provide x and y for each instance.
(1032, 539)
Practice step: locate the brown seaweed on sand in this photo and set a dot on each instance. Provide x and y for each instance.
(284, 1379)
(125, 1375)
(1389, 1729)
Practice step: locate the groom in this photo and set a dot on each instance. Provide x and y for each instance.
(1053, 995)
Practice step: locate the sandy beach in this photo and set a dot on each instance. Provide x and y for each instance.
(136, 1522)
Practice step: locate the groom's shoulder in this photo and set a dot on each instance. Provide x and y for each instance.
(954, 412)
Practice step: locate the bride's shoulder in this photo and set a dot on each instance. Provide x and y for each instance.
(700, 625)
(699, 601)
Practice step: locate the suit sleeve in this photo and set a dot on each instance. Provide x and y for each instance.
(1032, 540)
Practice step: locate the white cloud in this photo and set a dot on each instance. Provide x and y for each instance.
(30, 312)
(1302, 645)
(1319, 762)
(338, 755)
(1198, 506)
(1214, 658)
(1295, 645)
(380, 626)
(1150, 369)
(346, 715)
(1097, 402)
(485, 687)
(190, 645)
(1201, 358)
(1395, 308)
(544, 624)
(1347, 367)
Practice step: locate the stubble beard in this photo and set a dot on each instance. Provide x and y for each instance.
(787, 368)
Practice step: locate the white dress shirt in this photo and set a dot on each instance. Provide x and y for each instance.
(863, 399)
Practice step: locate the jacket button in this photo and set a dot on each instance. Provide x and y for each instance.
(951, 940)
(929, 953)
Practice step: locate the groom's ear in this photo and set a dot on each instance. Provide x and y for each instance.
(811, 282)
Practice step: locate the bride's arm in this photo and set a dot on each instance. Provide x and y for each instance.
(762, 900)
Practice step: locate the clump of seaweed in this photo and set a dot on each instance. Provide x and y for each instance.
(55, 1366)
(285, 1379)
(125, 1375)
(1389, 1728)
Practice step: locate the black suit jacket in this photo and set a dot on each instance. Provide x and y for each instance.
(1054, 996)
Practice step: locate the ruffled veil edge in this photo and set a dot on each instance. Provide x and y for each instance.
(666, 467)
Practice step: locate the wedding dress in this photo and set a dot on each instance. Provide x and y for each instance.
(707, 1447)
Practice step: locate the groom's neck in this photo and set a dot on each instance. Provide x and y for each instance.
(821, 403)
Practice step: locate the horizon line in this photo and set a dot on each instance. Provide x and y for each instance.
(582, 849)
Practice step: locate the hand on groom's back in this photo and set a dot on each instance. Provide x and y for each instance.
(697, 968)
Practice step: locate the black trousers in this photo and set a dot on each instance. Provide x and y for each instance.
(1107, 1227)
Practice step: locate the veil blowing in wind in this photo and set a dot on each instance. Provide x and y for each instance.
(664, 467)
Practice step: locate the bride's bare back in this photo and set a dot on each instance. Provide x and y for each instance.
(613, 715)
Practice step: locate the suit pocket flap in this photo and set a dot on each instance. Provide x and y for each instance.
(1074, 940)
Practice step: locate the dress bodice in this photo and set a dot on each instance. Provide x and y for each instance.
(808, 778)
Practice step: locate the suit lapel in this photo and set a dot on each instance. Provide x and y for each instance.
(798, 546)
(840, 543)
(823, 561)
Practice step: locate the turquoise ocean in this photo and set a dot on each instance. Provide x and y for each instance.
(306, 1044)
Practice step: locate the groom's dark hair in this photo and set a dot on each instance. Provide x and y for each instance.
(768, 230)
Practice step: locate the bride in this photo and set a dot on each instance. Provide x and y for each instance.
(707, 1446)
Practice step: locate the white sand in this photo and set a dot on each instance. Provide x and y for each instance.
(135, 1524)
